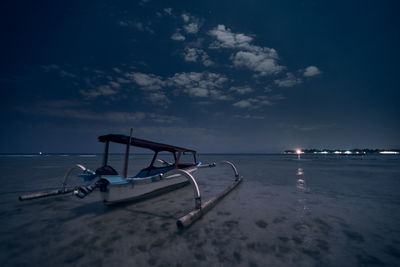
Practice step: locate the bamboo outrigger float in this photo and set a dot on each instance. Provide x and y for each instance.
(149, 182)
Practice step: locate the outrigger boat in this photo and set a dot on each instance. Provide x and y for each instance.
(147, 183)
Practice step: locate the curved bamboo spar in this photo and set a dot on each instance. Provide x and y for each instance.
(68, 173)
(233, 167)
(192, 181)
(196, 214)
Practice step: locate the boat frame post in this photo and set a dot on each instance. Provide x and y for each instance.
(177, 159)
(105, 156)
(128, 145)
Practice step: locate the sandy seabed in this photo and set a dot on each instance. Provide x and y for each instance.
(319, 211)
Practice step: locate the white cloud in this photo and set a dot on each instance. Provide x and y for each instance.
(185, 17)
(125, 23)
(113, 117)
(64, 73)
(122, 80)
(306, 128)
(114, 84)
(249, 117)
(253, 103)
(101, 90)
(311, 71)
(192, 23)
(205, 59)
(56, 68)
(289, 81)
(177, 36)
(193, 54)
(168, 10)
(148, 82)
(140, 26)
(256, 58)
(241, 89)
(225, 38)
(191, 28)
(152, 85)
(68, 109)
(158, 97)
(200, 84)
(143, 2)
(244, 103)
(263, 61)
(198, 91)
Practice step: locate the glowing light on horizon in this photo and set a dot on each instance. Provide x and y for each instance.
(389, 152)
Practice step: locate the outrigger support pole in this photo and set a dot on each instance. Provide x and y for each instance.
(187, 175)
(196, 214)
(61, 191)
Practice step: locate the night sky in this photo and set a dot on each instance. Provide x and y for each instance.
(215, 76)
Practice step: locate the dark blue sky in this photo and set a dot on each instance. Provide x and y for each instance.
(216, 76)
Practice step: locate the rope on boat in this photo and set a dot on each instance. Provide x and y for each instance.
(198, 212)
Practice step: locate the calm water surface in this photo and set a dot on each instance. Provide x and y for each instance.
(316, 211)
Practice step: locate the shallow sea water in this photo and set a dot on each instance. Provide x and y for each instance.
(316, 211)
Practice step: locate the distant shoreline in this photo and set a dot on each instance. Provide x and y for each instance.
(344, 152)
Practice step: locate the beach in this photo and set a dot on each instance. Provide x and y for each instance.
(319, 210)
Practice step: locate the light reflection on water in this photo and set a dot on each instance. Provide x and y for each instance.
(300, 180)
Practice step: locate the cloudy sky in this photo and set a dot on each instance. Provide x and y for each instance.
(216, 76)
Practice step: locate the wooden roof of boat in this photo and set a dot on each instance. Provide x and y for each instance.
(156, 147)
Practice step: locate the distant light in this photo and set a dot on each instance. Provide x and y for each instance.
(348, 152)
(389, 152)
(324, 152)
(337, 152)
(298, 151)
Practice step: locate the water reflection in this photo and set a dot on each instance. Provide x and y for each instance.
(302, 189)
(300, 182)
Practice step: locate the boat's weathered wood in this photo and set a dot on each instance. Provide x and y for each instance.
(46, 194)
(196, 214)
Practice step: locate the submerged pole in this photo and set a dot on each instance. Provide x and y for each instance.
(196, 214)
(46, 194)
(127, 154)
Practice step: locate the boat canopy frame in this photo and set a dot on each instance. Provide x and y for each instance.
(154, 146)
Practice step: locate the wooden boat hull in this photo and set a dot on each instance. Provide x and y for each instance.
(143, 188)
(117, 193)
